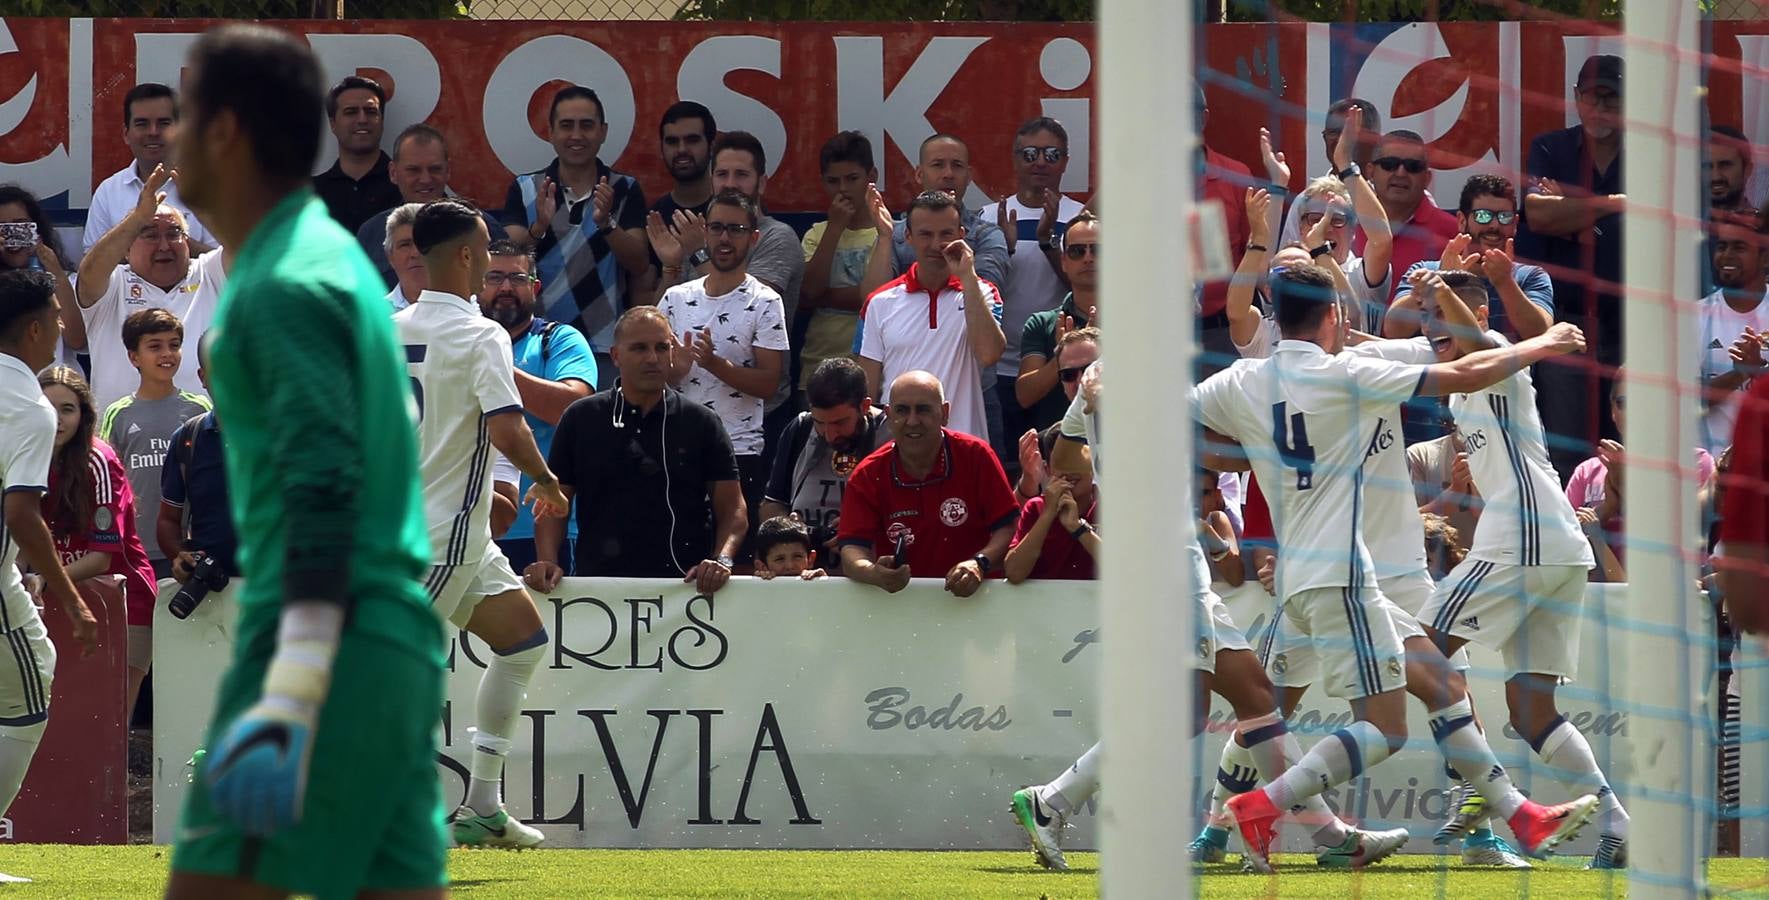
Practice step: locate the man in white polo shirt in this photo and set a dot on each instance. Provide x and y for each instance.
(150, 116)
(938, 317)
(159, 272)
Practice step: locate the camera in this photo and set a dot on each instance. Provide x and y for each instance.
(18, 235)
(206, 575)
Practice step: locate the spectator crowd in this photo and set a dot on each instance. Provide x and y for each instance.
(878, 398)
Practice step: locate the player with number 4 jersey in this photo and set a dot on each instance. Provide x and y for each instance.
(1307, 417)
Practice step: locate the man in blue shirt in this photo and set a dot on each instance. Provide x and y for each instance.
(554, 369)
(193, 482)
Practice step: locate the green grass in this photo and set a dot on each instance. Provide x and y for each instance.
(91, 873)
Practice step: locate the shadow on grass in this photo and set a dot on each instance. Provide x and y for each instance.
(1037, 870)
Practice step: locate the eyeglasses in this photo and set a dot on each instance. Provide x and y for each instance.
(171, 235)
(1070, 376)
(1488, 216)
(516, 279)
(718, 229)
(1390, 163)
(1051, 154)
(1076, 251)
(1609, 102)
(1308, 220)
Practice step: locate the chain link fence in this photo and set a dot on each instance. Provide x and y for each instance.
(576, 10)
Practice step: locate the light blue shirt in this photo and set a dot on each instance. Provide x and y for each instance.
(567, 356)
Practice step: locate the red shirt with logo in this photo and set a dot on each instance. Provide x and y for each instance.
(112, 531)
(947, 516)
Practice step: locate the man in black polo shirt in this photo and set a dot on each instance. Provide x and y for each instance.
(654, 477)
(358, 185)
(1572, 225)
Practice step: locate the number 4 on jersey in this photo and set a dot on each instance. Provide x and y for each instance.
(1290, 433)
(415, 353)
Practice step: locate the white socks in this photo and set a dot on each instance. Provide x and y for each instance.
(1333, 760)
(17, 745)
(1235, 774)
(1077, 783)
(501, 692)
(1273, 750)
(1466, 750)
(1564, 749)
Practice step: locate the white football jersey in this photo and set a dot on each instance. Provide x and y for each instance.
(462, 374)
(1527, 520)
(1308, 420)
(1392, 529)
(27, 439)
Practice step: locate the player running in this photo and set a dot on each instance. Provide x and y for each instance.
(306, 789)
(1225, 664)
(1521, 589)
(465, 384)
(29, 329)
(1308, 420)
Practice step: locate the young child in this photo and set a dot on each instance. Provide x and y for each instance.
(91, 513)
(139, 427)
(837, 251)
(783, 548)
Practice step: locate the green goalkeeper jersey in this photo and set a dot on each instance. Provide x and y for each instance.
(321, 450)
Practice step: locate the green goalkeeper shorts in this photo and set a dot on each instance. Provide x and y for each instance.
(372, 818)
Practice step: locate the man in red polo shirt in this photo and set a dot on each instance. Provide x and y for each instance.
(942, 493)
(1743, 562)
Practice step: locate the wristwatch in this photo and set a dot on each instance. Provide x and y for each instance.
(1082, 530)
(699, 258)
(1321, 251)
(982, 561)
(1350, 172)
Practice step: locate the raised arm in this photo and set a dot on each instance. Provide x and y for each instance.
(1371, 217)
(982, 325)
(102, 259)
(1243, 319)
(1522, 312)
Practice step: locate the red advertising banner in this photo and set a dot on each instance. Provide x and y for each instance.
(76, 791)
(1476, 91)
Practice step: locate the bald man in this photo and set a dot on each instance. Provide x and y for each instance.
(938, 495)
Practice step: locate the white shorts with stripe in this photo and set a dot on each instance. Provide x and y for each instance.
(1529, 614)
(1216, 632)
(27, 667)
(455, 591)
(1353, 637)
(1412, 592)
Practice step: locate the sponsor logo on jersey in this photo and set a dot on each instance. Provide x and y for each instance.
(954, 512)
(1715, 344)
(1472, 623)
(899, 531)
(1476, 440)
(134, 428)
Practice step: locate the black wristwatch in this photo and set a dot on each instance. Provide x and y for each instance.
(982, 561)
(1082, 530)
(1321, 251)
(1350, 172)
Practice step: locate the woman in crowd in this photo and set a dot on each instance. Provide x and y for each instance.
(91, 511)
(28, 241)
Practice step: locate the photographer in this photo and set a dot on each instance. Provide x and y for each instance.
(194, 480)
(28, 241)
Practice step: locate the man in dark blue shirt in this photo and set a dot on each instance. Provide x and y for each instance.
(1573, 227)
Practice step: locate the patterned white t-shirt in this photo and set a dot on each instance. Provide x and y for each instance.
(749, 318)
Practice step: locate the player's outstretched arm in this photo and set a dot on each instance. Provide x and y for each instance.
(25, 525)
(1465, 330)
(512, 437)
(1482, 370)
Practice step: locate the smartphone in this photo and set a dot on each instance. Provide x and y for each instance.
(900, 555)
(18, 235)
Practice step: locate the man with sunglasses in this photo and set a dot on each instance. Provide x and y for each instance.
(1033, 220)
(732, 332)
(1400, 173)
(1363, 150)
(1035, 390)
(1573, 226)
(1519, 295)
(554, 369)
(157, 271)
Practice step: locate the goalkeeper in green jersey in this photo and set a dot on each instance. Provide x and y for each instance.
(320, 775)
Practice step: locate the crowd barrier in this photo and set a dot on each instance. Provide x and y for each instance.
(77, 789)
(826, 714)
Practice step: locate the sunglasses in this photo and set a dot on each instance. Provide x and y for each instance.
(1051, 154)
(1390, 163)
(1308, 220)
(1070, 376)
(1076, 251)
(1488, 216)
(735, 230)
(516, 279)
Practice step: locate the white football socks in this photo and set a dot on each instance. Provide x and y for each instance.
(1077, 783)
(17, 745)
(1466, 750)
(1575, 766)
(1333, 760)
(496, 707)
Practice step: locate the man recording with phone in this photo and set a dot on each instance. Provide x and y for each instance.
(937, 495)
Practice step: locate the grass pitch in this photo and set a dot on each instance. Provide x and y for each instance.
(92, 873)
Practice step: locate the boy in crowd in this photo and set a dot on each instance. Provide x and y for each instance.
(783, 550)
(837, 251)
(139, 427)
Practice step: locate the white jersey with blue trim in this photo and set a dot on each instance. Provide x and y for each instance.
(1392, 528)
(1527, 520)
(1308, 420)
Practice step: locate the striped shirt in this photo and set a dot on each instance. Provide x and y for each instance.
(462, 375)
(1527, 520)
